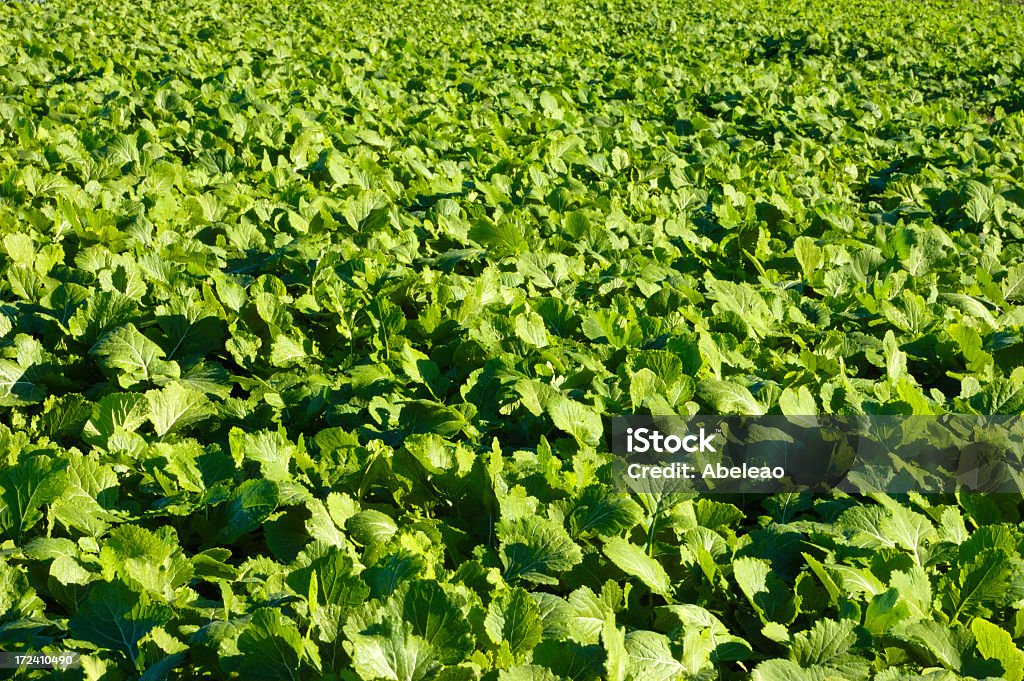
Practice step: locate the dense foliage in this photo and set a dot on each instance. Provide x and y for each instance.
(313, 315)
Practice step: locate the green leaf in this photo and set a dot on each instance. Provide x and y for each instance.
(535, 548)
(270, 448)
(18, 599)
(389, 573)
(787, 670)
(191, 328)
(728, 398)
(125, 411)
(651, 657)
(809, 255)
(176, 407)
(25, 488)
(529, 672)
(885, 611)
(248, 506)
(1012, 286)
(971, 347)
(895, 359)
(745, 302)
(394, 653)
(915, 588)
(20, 385)
(103, 312)
(604, 512)
(371, 527)
(65, 415)
(979, 202)
(981, 584)
(910, 530)
(797, 402)
(995, 643)
(117, 618)
(366, 211)
(286, 351)
(514, 618)
(578, 420)
(271, 646)
(147, 560)
(771, 598)
(825, 640)
(571, 660)
(531, 330)
(632, 560)
(136, 358)
(616, 658)
(505, 237)
(935, 643)
(337, 580)
(438, 616)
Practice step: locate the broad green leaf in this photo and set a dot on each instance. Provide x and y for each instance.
(579, 420)
(728, 398)
(982, 584)
(394, 653)
(146, 560)
(18, 599)
(651, 656)
(115, 617)
(247, 507)
(514, 618)
(797, 402)
(270, 448)
(20, 385)
(530, 329)
(176, 407)
(336, 577)
(825, 640)
(884, 611)
(771, 599)
(529, 672)
(909, 529)
(370, 526)
(915, 588)
(603, 512)
(632, 560)
(271, 646)
(125, 411)
(136, 358)
(536, 549)
(25, 488)
(934, 643)
(995, 643)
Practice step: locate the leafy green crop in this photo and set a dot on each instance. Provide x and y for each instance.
(313, 315)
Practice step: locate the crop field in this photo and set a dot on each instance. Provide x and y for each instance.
(314, 316)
